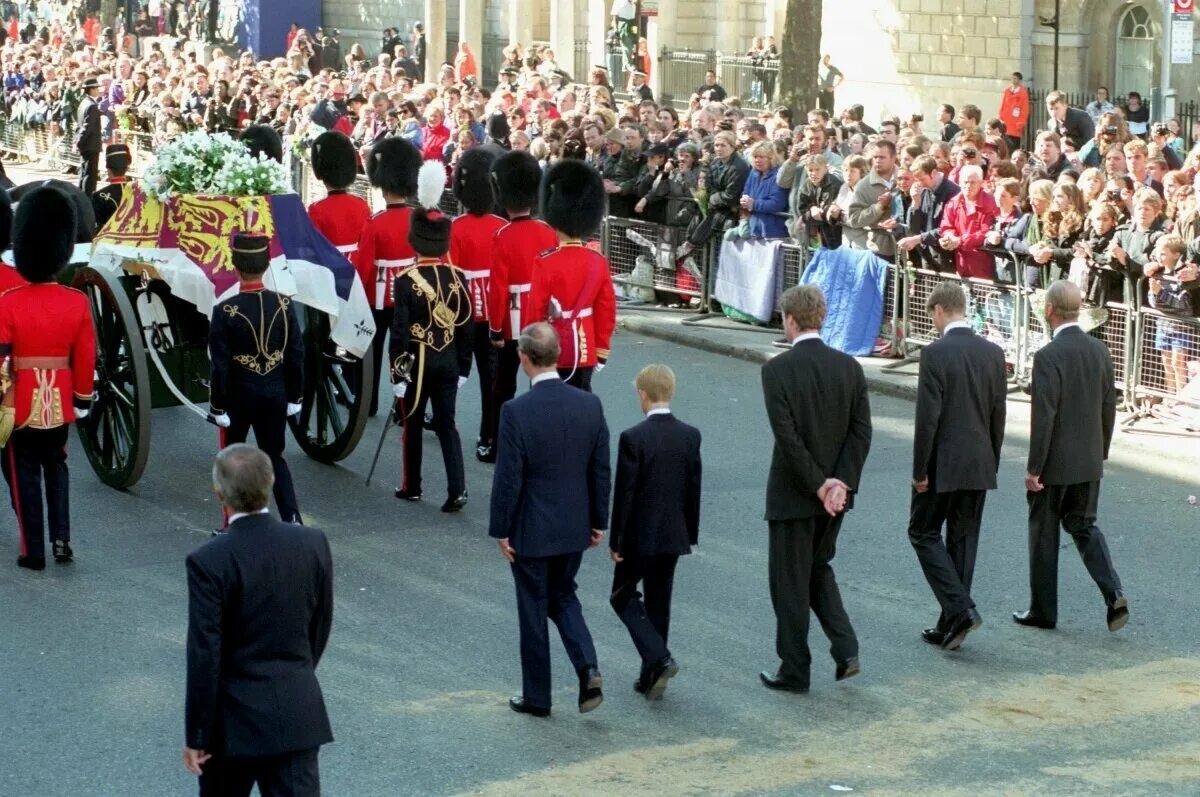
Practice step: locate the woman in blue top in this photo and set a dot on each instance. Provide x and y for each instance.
(762, 197)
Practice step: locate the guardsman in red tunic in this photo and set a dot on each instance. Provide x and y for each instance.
(515, 177)
(472, 244)
(383, 250)
(47, 366)
(340, 216)
(572, 287)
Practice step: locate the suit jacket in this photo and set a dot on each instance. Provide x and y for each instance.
(656, 500)
(552, 481)
(1074, 408)
(260, 606)
(1077, 127)
(961, 395)
(821, 417)
(87, 133)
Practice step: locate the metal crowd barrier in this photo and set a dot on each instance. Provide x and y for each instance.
(642, 260)
(1166, 372)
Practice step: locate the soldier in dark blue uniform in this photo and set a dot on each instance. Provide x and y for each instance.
(257, 365)
(106, 201)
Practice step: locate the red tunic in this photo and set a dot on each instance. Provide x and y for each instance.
(47, 337)
(573, 283)
(472, 242)
(9, 278)
(340, 217)
(517, 246)
(383, 252)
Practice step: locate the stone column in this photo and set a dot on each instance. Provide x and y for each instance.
(520, 21)
(435, 38)
(597, 19)
(470, 26)
(562, 34)
(729, 27)
(663, 27)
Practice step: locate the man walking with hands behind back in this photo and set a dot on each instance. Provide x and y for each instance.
(961, 395)
(1074, 407)
(260, 606)
(550, 498)
(817, 404)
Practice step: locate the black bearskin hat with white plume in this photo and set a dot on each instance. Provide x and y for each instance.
(572, 198)
(473, 181)
(44, 231)
(429, 228)
(334, 160)
(392, 167)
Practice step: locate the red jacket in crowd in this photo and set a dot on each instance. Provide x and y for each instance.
(572, 288)
(518, 244)
(472, 247)
(383, 252)
(971, 226)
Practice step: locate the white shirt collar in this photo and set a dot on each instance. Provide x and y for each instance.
(960, 324)
(659, 411)
(1064, 326)
(543, 377)
(239, 515)
(807, 336)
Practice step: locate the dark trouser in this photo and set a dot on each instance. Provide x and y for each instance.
(825, 101)
(949, 566)
(287, 775)
(546, 589)
(648, 621)
(485, 365)
(579, 377)
(802, 579)
(438, 384)
(31, 456)
(1014, 144)
(383, 325)
(1073, 507)
(268, 419)
(89, 171)
(504, 381)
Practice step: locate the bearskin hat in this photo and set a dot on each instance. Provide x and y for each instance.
(429, 227)
(264, 139)
(515, 177)
(473, 182)
(334, 160)
(85, 214)
(572, 198)
(392, 166)
(6, 221)
(251, 253)
(43, 233)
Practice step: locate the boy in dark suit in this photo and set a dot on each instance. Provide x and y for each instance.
(655, 520)
(260, 606)
(1073, 411)
(550, 497)
(820, 415)
(959, 429)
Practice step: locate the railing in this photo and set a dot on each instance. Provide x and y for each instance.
(1039, 117)
(754, 81)
(582, 63)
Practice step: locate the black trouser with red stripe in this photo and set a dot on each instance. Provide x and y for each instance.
(268, 419)
(31, 456)
(435, 382)
(485, 364)
(383, 326)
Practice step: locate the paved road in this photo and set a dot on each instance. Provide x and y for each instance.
(424, 652)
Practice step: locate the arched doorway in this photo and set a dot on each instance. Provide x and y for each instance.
(1136, 62)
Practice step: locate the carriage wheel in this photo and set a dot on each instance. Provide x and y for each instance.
(116, 434)
(336, 391)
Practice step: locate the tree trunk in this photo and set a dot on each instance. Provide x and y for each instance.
(108, 13)
(800, 52)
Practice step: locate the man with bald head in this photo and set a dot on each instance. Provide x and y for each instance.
(1074, 405)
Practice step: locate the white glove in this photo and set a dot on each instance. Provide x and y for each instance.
(222, 420)
(599, 367)
(294, 409)
(462, 380)
(399, 389)
(81, 414)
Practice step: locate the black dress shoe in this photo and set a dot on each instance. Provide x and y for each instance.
(1118, 612)
(591, 695)
(640, 686)
(63, 552)
(455, 503)
(519, 705)
(1032, 620)
(933, 636)
(964, 624)
(781, 684)
(485, 453)
(847, 669)
(32, 562)
(656, 679)
(407, 495)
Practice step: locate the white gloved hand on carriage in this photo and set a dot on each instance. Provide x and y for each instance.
(294, 409)
(222, 420)
(399, 389)
(462, 380)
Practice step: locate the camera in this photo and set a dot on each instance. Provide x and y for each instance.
(1114, 196)
(1159, 129)
(917, 117)
(1111, 130)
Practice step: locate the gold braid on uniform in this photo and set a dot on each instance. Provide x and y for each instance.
(440, 314)
(263, 362)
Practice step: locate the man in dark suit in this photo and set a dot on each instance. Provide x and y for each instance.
(87, 136)
(1073, 125)
(817, 404)
(961, 394)
(550, 504)
(1074, 406)
(655, 520)
(260, 606)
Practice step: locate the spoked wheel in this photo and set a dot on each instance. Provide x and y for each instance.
(337, 387)
(116, 434)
